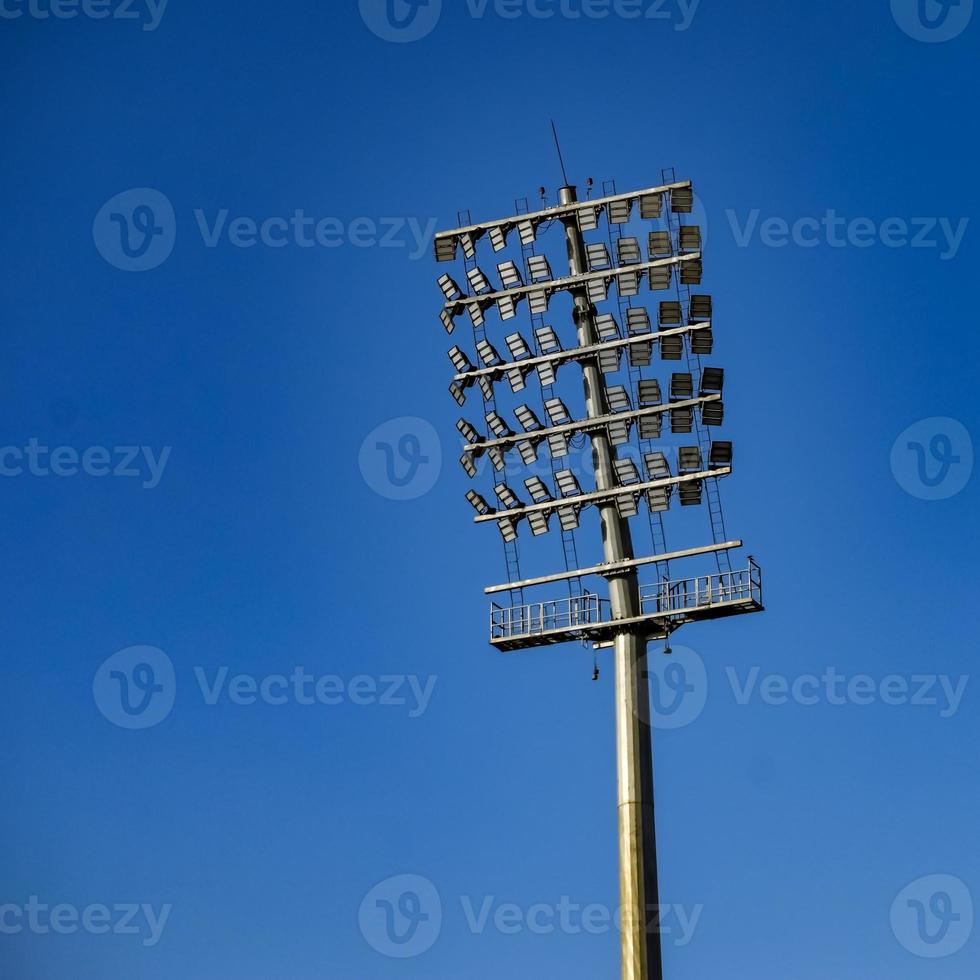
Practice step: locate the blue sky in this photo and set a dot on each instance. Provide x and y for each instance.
(330, 717)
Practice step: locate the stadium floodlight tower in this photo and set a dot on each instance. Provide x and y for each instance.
(624, 422)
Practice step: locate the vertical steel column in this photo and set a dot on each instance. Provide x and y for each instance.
(634, 750)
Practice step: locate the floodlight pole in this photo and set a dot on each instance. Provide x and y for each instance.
(639, 893)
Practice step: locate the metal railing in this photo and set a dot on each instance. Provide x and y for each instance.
(703, 590)
(665, 598)
(543, 617)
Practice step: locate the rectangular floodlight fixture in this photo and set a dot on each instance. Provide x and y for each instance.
(651, 206)
(681, 387)
(690, 238)
(659, 245)
(557, 412)
(547, 340)
(460, 361)
(620, 211)
(528, 232)
(637, 321)
(468, 464)
(651, 427)
(510, 275)
(689, 459)
(598, 256)
(701, 307)
(538, 490)
(712, 380)
(528, 452)
(508, 529)
(567, 483)
(721, 454)
(450, 287)
(618, 399)
(670, 313)
(649, 394)
(713, 413)
(657, 466)
(479, 504)
(626, 472)
(682, 200)
(488, 353)
(498, 237)
(498, 426)
(539, 268)
(469, 433)
(479, 281)
(607, 327)
(692, 273)
(507, 496)
(445, 249)
(628, 250)
(681, 421)
(702, 342)
(671, 348)
(526, 418)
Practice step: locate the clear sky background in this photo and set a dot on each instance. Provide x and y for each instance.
(789, 829)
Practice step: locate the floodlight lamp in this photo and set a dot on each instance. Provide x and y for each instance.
(682, 200)
(681, 421)
(606, 327)
(468, 464)
(479, 281)
(539, 523)
(508, 529)
(618, 399)
(620, 211)
(671, 348)
(498, 237)
(468, 432)
(459, 393)
(660, 277)
(538, 301)
(649, 393)
(670, 313)
(628, 284)
(690, 238)
(651, 206)
(460, 361)
(681, 387)
(713, 413)
(701, 307)
(702, 342)
(449, 287)
(488, 353)
(626, 472)
(517, 346)
(538, 490)
(507, 307)
(446, 249)
(479, 504)
(657, 466)
(539, 268)
(713, 379)
(528, 452)
(448, 321)
(557, 411)
(510, 275)
(637, 321)
(507, 496)
(721, 454)
(498, 426)
(598, 256)
(598, 291)
(527, 419)
(689, 459)
(547, 340)
(528, 232)
(659, 245)
(567, 483)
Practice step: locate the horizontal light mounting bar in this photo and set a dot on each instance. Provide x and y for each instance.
(587, 424)
(613, 568)
(578, 353)
(582, 500)
(560, 211)
(457, 306)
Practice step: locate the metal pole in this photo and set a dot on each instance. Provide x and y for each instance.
(634, 749)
